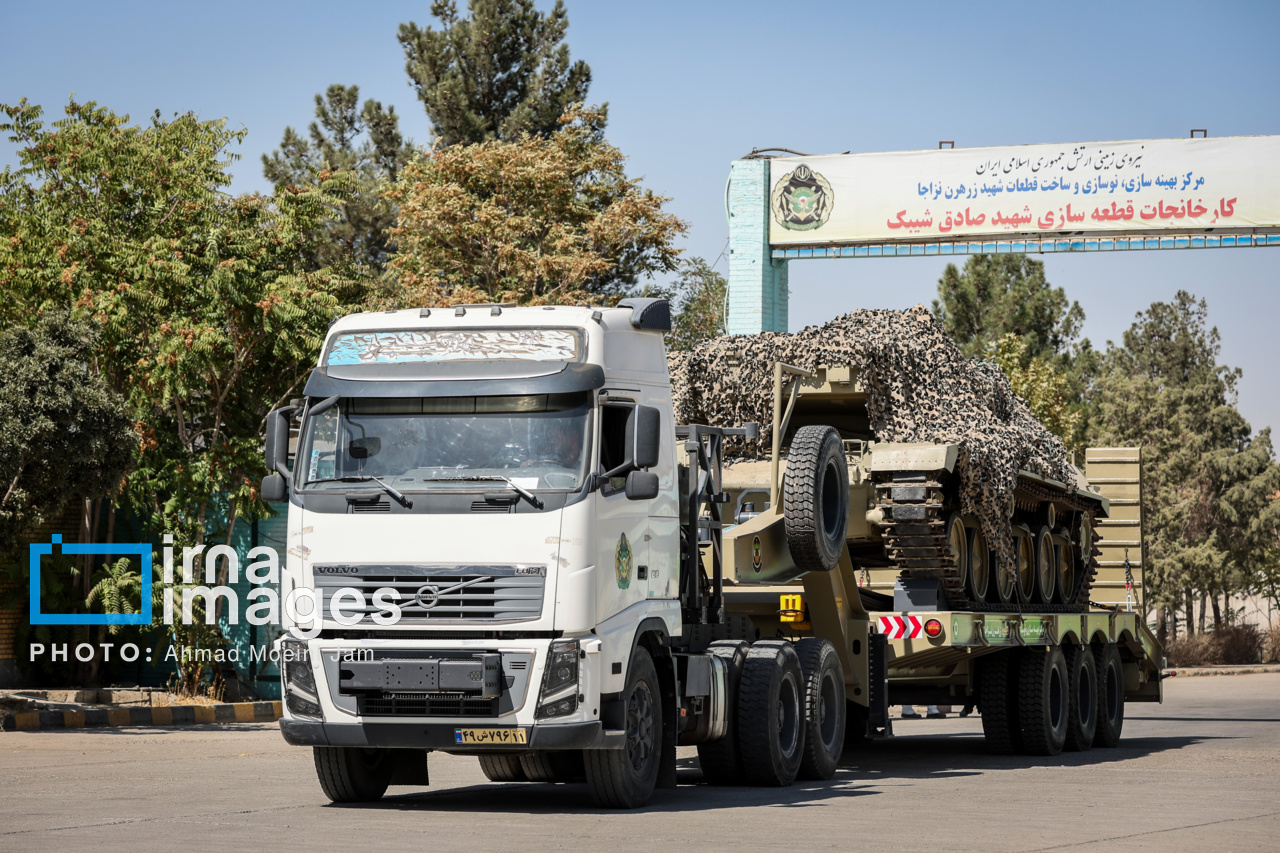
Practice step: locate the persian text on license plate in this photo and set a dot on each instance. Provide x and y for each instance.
(491, 736)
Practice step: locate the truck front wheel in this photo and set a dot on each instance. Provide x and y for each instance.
(503, 768)
(625, 778)
(354, 775)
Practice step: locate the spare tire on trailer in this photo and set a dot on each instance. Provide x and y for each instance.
(815, 498)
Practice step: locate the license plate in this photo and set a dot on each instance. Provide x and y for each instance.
(491, 736)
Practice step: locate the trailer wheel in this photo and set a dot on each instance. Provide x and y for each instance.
(824, 708)
(997, 699)
(561, 766)
(720, 760)
(1110, 695)
(1042, 701)
(1046, 579)
(771, 715)
(625, 778)
(1082, 707)
(352, 774)
(502, 768)
(815, 498)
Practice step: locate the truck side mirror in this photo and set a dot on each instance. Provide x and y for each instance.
(276, 450)
(274, 488)
(644, 436)
(641, 486)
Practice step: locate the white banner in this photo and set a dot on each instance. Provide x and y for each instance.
(1144, 186)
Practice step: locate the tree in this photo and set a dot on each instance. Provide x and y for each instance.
(697, 304)
(209, 309)
(361, 145)
(1043, 388)
(501, 72)
(1209, 484)
(64, 433)
(537, 221)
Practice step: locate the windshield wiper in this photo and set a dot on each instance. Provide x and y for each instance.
(494, 478)
(367, 478)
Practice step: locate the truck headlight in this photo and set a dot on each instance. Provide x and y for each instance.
(298, 680)
(560, 680)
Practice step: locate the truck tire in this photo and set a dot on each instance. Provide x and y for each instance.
(560, 766)
(352, 774)
(502, 768)
(720, 761)
(824, 708)
(815, 498)
(771, 716)
(625, 778)
(1082, 705)
(1042, 701)
(997, 694)
(1110, 695)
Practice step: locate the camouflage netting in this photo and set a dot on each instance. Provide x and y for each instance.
(919, 389)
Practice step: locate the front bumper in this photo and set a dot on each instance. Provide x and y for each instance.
(440, 736)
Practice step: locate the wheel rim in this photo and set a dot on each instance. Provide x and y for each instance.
(979, 566)
(640, 727)
(827, 717)
(1057, 694)
(1048, 572)
(1026, 565)
(1084, 698)
(1066, 572)
(1113, 694)
(788, 716)
(957, 540)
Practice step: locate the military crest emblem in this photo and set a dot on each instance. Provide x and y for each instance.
(802, 200)
(622, 562)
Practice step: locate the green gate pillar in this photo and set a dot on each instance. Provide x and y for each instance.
(757, 283)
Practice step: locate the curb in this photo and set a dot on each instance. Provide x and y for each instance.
(172, 715)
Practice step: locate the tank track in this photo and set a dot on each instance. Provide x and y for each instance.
(914, 530)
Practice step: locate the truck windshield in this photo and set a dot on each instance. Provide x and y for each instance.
(415, 444)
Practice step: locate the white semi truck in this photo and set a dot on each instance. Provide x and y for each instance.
(516, 553)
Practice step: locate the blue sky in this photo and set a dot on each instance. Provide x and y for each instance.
(693, 85)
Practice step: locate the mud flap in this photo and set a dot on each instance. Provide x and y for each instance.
(878, 723)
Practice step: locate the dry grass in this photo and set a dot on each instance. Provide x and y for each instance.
(163, 699)
(1271, 645)
(1231, 645)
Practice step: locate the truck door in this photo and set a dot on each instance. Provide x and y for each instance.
(621, 525)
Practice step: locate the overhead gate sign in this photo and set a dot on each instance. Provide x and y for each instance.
(1113, 193)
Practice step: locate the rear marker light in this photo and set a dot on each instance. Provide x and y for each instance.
(933, 628)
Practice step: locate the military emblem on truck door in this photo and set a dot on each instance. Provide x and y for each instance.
(622, 562)
(802, 200)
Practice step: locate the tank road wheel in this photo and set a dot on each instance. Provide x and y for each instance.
(997, 698)
(1082, 698)
(502, 768)
(1006, 581)
(1025, 577)
(815, 498)
(958, 542)
(771, 715)
(352, 774)
(560, 766)
(1066, 571)
(625, 778)
(1110, 695)
(1046, 579)
(979, 566)
(1042, 701)
(824, 708)
(720, 760)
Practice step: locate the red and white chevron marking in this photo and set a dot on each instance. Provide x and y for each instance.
(903, 627)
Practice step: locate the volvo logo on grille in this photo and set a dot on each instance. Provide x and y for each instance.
(429, 595)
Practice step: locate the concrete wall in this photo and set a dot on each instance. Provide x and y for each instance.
(758, 291)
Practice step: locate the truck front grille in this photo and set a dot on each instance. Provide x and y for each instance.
(426, 705)
(434, 594)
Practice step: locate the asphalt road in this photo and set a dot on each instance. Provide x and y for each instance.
(1200, 772)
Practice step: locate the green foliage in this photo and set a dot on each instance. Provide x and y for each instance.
(537, 221)
(1210, 486)
(1042, 387)
(499, 73)
(361, 146)
(63, 432)
(697, 304)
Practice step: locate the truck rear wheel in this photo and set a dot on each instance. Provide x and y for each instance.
(720, 760)
(625, 778)
(1042, 701)
(1082, 707)
(997, 695)
(1110, 695)
(565, 766)
(502, 768)
(771, 715)
(824, 708)
(352, 774)
(815, 498)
